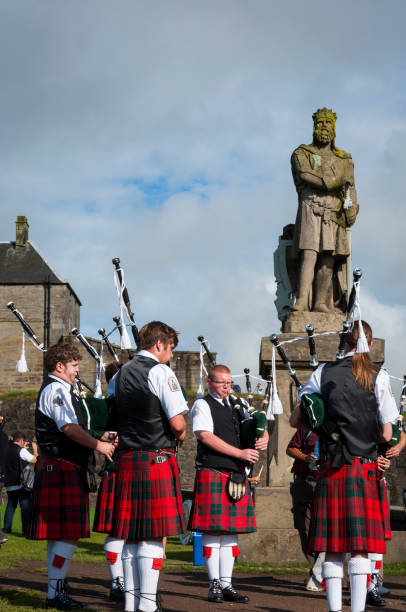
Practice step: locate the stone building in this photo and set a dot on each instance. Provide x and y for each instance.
(52, 308)
(49, 304)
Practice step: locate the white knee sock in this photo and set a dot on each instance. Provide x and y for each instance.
(211, 550)
(50, 546)
(358, 569)
(332, 572)
(58, 565)
(113, 549)
(316, 569)
(376, 564)
(228, 552)
(131, 577)
(149, 560)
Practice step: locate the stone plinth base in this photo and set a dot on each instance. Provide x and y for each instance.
(296, 321)
(275, 540)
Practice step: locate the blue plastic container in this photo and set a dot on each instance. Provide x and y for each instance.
(197, 549)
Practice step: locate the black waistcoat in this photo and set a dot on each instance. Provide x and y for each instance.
(142, 422)
(54, 443)
(226, 425)
(12, 465)
(351, 413)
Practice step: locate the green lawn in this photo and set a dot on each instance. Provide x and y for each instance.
(18, 550)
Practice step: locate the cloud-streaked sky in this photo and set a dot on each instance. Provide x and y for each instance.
(161, 132)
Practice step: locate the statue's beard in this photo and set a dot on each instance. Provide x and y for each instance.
(323, 135)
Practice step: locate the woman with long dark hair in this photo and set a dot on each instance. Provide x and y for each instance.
(348, 512)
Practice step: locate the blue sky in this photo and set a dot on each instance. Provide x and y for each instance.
(161, 133)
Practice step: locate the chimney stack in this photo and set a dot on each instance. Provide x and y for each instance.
(21, 231)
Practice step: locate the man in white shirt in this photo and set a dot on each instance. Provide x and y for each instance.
(150, 410)
(216, 421)
(60, 499)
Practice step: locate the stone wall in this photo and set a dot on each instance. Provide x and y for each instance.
(30, 300)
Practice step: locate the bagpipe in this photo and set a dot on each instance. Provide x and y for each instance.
(125, 306)
(27, 332)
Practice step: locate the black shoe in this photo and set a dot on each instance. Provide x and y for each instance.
(117, 593)
(62, 601)
(230, 594)
(215, 592)
(374, 599)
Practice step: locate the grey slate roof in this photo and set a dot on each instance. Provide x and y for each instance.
(25, 266)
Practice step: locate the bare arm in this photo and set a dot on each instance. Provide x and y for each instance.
(295, 453)
(178, 426)
(386, 434)
(217, 444)
(78, 434)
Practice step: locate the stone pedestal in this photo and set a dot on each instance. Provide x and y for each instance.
(276, 539)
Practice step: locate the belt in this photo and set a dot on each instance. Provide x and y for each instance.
(50, 468)
(365, 459)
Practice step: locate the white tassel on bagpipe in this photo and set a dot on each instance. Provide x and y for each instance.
(22, 362)
(200, 391)
(275, 404)
(355, 315)
(125, 342)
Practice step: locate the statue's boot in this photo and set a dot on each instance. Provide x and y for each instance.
(320, 307)
(305, 280)
(300, 305)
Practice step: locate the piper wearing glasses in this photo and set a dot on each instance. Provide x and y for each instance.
(218, 511)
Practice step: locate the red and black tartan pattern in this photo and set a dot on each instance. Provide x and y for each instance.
(212, 509)
(348, 511)
(104, 504)
(60, 505)
(147, 500)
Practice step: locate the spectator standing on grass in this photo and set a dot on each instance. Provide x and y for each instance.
(17, 457)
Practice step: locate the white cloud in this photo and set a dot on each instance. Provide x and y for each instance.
(94, 97)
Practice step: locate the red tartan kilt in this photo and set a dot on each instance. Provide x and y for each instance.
(60, 505)
(350, 510)
(104, 504)
(147, 500)
(212, 510)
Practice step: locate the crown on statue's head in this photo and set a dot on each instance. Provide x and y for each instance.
(324, 112)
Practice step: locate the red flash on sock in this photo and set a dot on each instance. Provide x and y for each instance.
(236, 551)
(369, 578)
(206, 552)
(58, 561)
(378, 565)
(111, 557)
(157, 564)
(324, 584)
